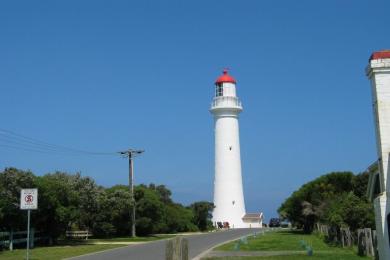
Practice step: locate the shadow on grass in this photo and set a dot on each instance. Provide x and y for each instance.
(113, 240)
(72, 243)
(292, 232)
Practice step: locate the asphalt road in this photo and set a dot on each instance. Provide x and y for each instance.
(156, 250)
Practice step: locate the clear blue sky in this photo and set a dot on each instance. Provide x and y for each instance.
(108, 75)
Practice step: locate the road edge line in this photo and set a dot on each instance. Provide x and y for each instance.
(121, 246)
(97, 252)
(204, 253)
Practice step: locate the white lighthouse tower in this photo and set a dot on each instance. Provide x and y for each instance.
(228, 191)
(378, 71)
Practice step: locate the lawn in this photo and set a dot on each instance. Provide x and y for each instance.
(283, 241)
(70, 248)
(54, 252)
(136, 239)
(321, 256)
(118, 239)
(279, 241)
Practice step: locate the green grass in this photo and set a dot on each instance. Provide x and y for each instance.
(321, 256)
(136, 239)
(117, 239)
(70, 248)
(289, 241)
(279, 241)
(54, 252)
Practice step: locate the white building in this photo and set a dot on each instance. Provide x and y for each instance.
(228, 189)
(378, 71)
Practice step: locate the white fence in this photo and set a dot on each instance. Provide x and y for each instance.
(9, 239)
(79, 234)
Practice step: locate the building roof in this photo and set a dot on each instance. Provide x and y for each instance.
(253, 216)
(225, 78)
(384, 54)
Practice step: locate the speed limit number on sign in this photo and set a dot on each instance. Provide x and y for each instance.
(29, 199)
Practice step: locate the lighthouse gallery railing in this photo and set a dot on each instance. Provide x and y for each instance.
(226, 102)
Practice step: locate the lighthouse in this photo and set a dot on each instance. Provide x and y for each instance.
(378, 71)
(228, 189)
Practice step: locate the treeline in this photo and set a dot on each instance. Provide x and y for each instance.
(73, 202)
(336, 199)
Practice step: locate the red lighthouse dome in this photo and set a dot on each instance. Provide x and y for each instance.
(225, 78)
(385, 54)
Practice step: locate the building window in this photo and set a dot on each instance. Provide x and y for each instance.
(219, 90)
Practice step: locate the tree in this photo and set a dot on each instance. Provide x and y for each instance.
(164, 194)
(359, 185)
(74, 202)
(202, 214)
(119, 206)
(150, 211)
(114, 212)
(327, 199)
(56, 212)
(12, 181)
(179, 218)
(66, 201)
(87, 193)
(348, 210)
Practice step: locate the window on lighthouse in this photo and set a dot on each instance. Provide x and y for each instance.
(219, 90)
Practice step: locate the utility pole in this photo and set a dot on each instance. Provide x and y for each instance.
(130, 153)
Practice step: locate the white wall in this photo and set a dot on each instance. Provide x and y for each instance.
(228, 192)
(379, 73)
(381, 102)
(253, 224)
(228, 189)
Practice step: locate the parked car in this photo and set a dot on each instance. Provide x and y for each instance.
(285, 224)
(274, 222)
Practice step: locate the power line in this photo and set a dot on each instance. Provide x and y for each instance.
(20, 144)
(26, 143)
(23, 149)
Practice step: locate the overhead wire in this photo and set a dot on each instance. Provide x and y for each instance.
(24, 149)
(17, 143)
(9, 139)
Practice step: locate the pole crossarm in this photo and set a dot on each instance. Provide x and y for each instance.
(131, 152)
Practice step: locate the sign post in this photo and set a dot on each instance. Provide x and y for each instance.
(28, 201)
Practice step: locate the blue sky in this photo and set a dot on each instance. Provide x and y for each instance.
(108, 75)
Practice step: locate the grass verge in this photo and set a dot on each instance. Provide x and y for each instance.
(54, 252)
(70, 248)
(321, 256)
(284, 241)
(116, 239)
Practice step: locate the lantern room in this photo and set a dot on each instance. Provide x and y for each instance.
(225, 85)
